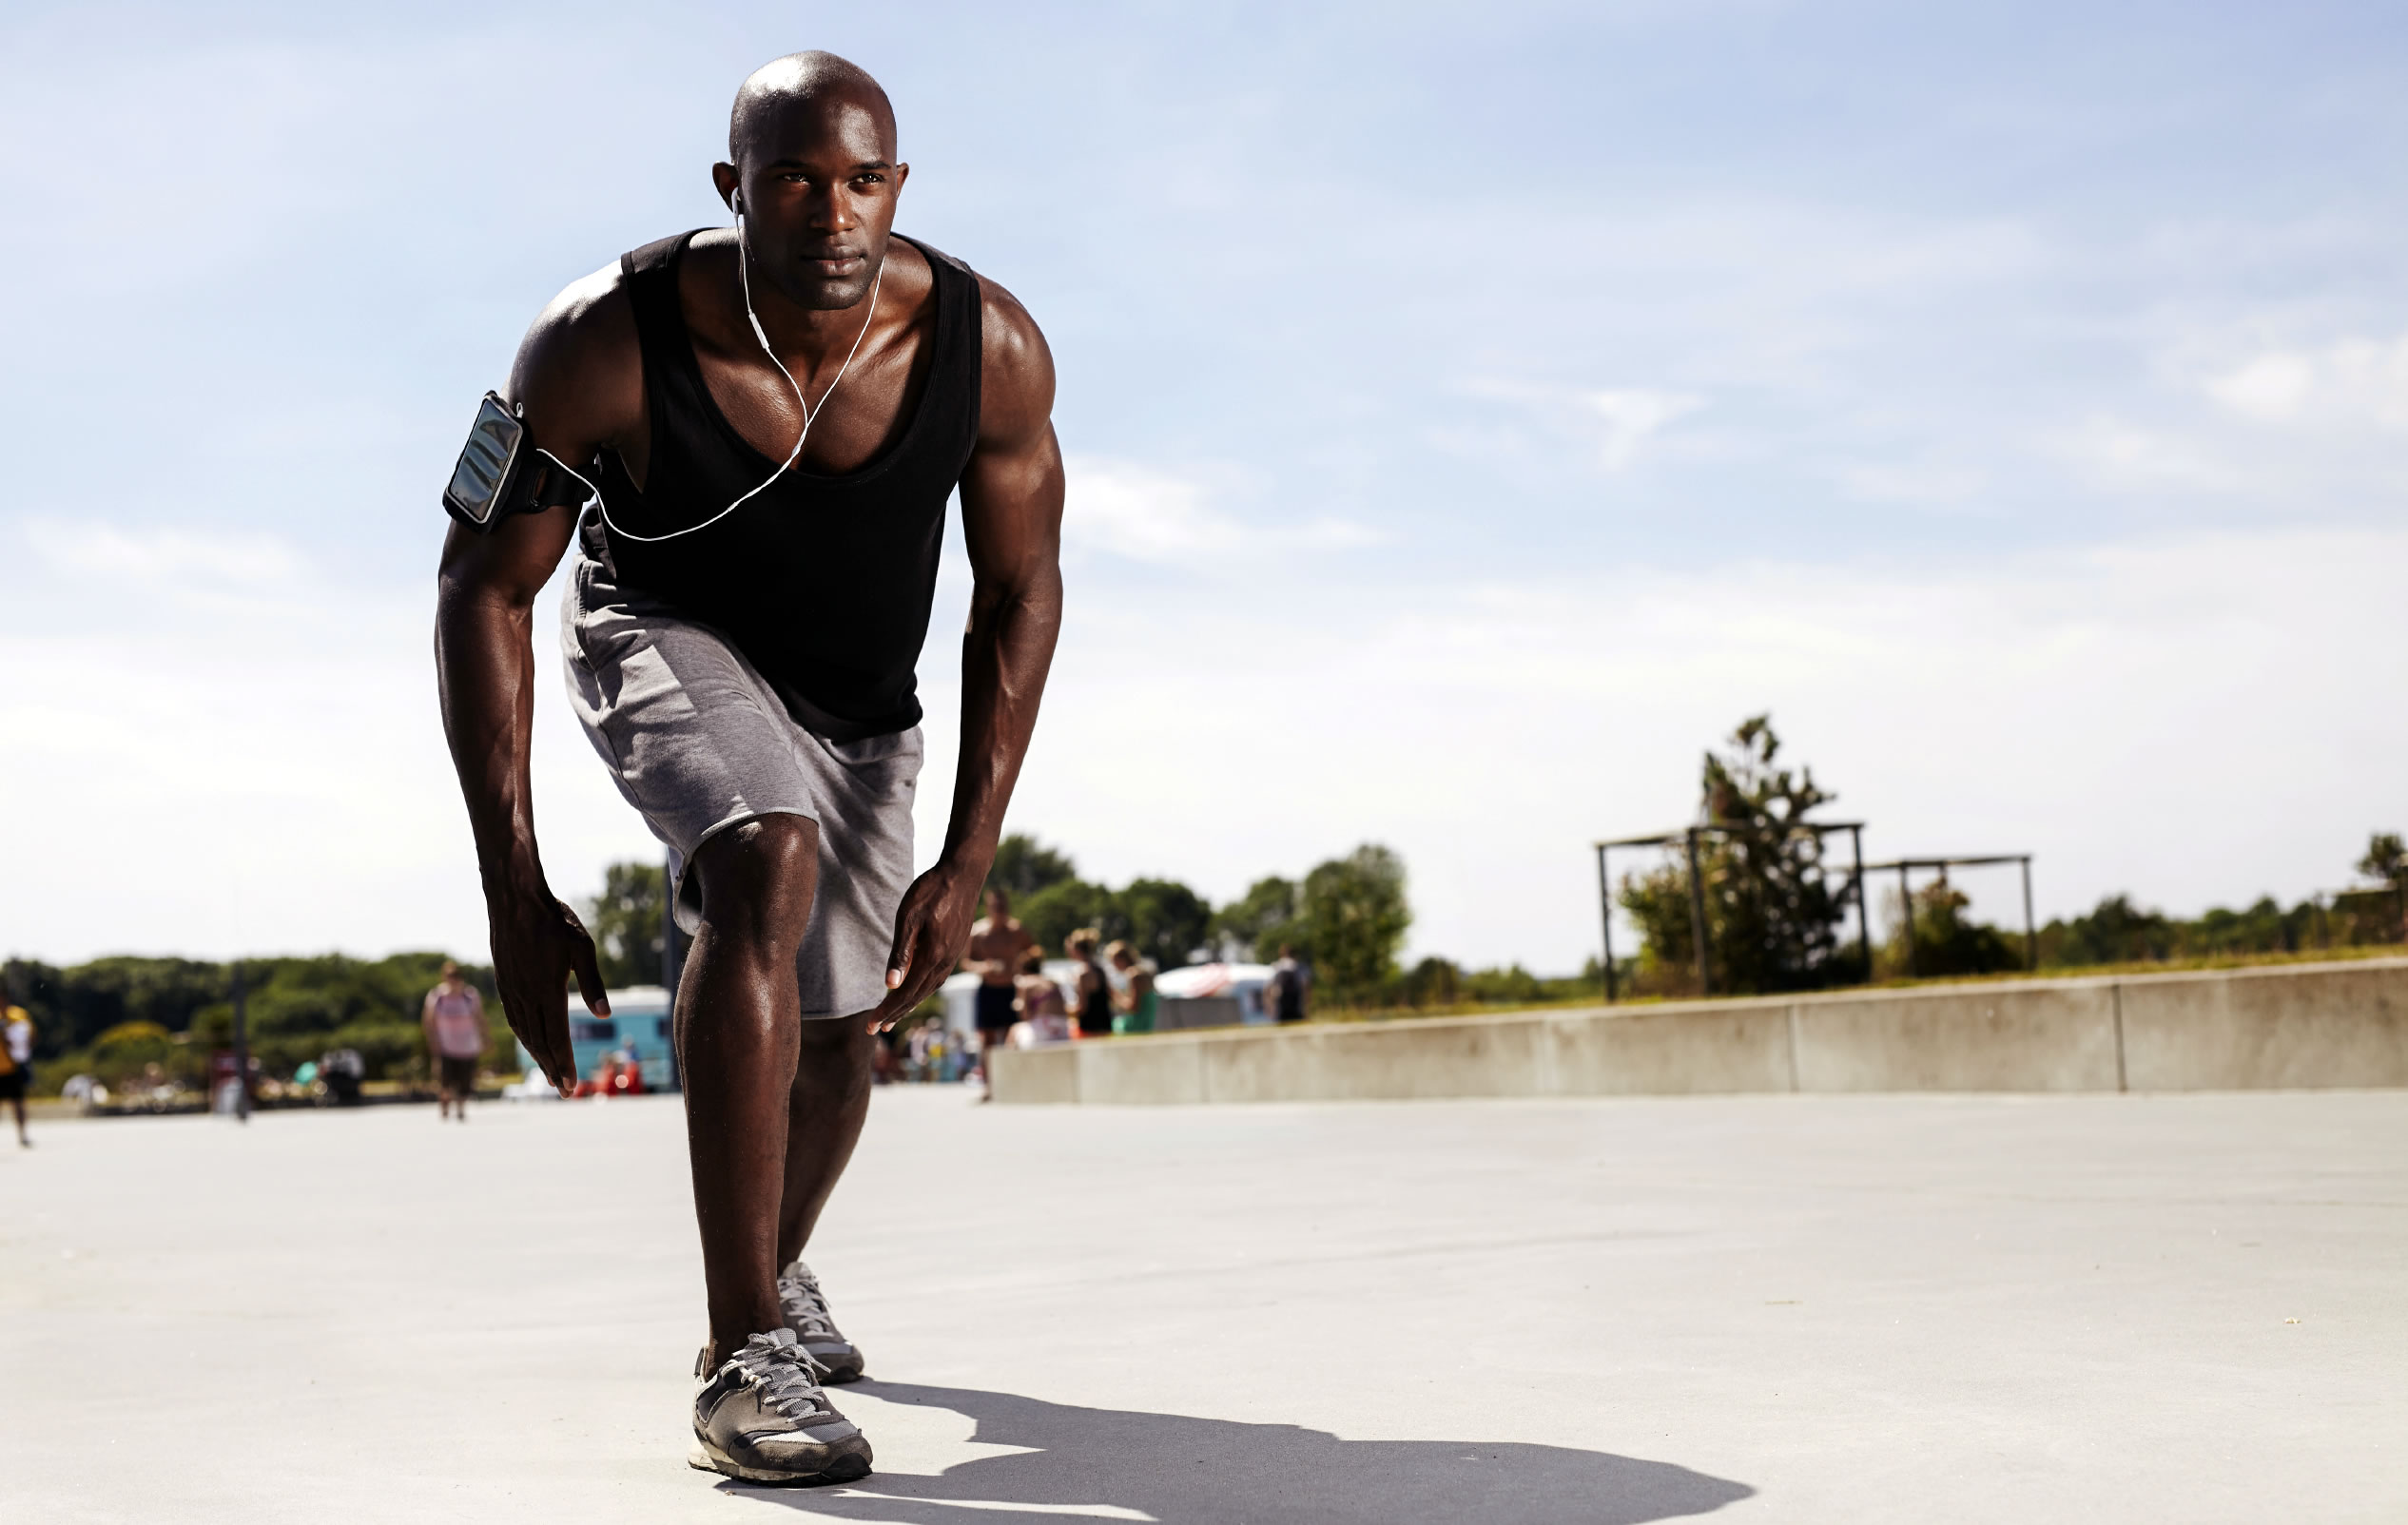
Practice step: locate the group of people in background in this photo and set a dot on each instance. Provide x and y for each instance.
(1019, 1001)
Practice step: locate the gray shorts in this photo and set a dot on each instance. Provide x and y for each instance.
(699, 742)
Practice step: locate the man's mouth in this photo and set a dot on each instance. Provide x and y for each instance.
(838, 263)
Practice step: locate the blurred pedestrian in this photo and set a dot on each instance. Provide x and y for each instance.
(1284, 994)
(1141, 1003)
(996, 943)
(925, 1050)
(453, 1019)
(16, 1064)
(1094, 986)
(1044, 1018)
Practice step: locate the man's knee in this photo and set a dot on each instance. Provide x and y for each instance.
(758, 878)
(837, 1040)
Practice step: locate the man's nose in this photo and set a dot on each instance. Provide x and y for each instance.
(833, 210)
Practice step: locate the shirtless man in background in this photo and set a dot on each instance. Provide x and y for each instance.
(996, 942)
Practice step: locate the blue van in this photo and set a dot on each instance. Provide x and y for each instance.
(639, 1022)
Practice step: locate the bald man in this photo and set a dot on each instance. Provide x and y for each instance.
(770, 420)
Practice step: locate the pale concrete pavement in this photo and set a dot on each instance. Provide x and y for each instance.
(1797, 1308)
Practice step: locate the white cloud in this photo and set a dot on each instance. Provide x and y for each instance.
(1923, 483)
(2355, 381)
(2117, 453)
(152, 555)
(1137, 512)
(1614, 424)
(1145, 514)
(1627, 418)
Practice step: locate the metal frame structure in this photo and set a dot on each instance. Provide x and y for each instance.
(1689, 836)
(1905, 897)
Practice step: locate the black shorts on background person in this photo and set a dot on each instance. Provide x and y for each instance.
(997, 1011)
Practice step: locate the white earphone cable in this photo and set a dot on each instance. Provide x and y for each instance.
(744, 274)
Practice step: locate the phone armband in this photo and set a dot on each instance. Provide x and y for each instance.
(500, 472)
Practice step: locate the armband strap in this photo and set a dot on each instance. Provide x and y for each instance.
(501, 473)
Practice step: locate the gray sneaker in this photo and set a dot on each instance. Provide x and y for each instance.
(805, 1309)
(761, 1417)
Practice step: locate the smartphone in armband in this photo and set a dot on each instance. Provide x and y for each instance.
(500, 472)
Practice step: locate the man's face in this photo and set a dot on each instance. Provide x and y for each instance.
(999, 905)
(816, 191)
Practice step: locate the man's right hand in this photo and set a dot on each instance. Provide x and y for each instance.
(538, 945)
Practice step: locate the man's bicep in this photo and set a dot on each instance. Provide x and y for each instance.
(1012, 491)
(1012, 505)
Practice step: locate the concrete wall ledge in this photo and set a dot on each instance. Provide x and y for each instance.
(2342, 1024)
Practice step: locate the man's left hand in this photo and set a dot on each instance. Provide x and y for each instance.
(932, 927)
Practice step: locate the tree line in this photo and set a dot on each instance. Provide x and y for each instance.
(1347, 916)
(1778, 917)
(122, 1018)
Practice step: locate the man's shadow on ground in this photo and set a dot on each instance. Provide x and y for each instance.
(1110, 1463)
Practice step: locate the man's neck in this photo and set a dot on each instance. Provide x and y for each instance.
(816, 336)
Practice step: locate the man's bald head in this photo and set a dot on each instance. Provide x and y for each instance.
(812, 81)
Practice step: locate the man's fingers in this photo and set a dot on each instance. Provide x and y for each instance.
(899, 957)
(528, 1025)
(564, 1051)
(583, 964)
(588, 970)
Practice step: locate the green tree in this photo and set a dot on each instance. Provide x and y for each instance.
(1167, 921)
(73, 1007)
(1771, 917)
(2386, 858)
(1270, 913)
(1355, 918)
(1025, 867)
(626, 922)
(1945, 941)
(1062, 907)
(1656, 902)
(1434, 981)
(2115, 931)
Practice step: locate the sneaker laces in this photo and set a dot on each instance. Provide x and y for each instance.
(787, 1374)
(799, 1292)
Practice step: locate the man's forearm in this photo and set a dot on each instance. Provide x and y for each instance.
(1006, 656)
(484, 662)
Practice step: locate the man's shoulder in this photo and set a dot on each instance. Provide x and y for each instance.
(579, 372)
(590, 316)
(1016, 366)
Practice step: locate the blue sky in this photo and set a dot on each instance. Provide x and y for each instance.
(1473, 412)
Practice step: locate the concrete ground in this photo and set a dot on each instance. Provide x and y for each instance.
(1915, 1308)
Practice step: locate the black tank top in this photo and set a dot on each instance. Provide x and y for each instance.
(823, 583)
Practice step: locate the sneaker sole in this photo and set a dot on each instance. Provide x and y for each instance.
(838, 1376)
(708, 1457)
